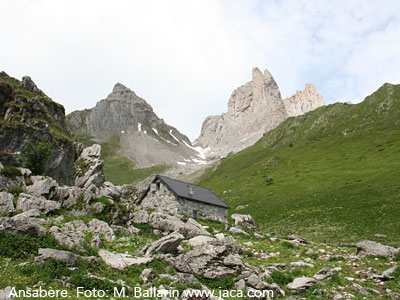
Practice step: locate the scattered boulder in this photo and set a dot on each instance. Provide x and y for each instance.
(233, 260)
(237, 230)
(169, 223)
(26, 202)
(200, 240)
(324, 273)
(5, 293)
(146, 275)
(371, 248)
(109, 190)
(358, 288)
(301, 283)
(22, 225)
(244, 220)
(6, 203)
(120, 261)
(387, 274)
(42, 186)
(26, 214)
(66, 257)
(101, 227)
(91, 173)
(167, 244)
(71, 239)
(217, 272)
(139, 217)
(6, 183)
(298, 239)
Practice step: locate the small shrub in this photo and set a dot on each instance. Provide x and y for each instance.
(16, 190)
(47, 271)
(34, 157)
(281, 278)
(288, 245)
(83, 167)
(337, 258)
(11, 172)
(18, 246)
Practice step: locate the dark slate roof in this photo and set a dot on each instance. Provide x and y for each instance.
(199, 194)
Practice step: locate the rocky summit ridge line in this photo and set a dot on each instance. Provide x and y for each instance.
(144, 137)
(254, 109)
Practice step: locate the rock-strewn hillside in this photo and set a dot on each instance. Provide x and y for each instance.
(144, 137)
(28, 116)
(253, 109)
(93, 235)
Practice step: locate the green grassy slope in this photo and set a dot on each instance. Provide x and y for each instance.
(332, 174)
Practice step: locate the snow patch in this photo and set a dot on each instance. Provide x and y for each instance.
(182, 163)
(139, 127)
(155, 130)
(122, 131)
(170, 132)
(202, 153)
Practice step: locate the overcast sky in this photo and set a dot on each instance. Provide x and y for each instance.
(186, 57)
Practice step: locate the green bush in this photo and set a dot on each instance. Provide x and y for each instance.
(282, 279)
(16, 190)
(34, 157)
(11, 172)
(47, 271)
(17, 246)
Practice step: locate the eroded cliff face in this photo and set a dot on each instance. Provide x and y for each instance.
(253, 109)
(303, 101)
(144, 137)
(28, 116)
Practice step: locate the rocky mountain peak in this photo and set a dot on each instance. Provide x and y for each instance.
(304, 101)
(253, 109)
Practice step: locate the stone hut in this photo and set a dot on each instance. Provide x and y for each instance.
(178, 197)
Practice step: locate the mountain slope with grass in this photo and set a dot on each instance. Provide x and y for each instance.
(30, 120)
(330, 175)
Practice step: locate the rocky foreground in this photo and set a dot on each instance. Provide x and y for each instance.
(92, 235)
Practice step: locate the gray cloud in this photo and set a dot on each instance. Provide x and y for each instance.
(186, 57)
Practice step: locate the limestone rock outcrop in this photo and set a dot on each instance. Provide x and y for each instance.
(253, 109)
(303, 101)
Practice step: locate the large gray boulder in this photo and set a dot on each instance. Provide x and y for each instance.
(109, 190)
(169, 223)
(101, 227)
(324, 273)
(301, 283)
(42, 186)
(92, 172)
(139, 217)
(196, 261)
(26, 202)
(371, 248)
(6, 203)
(72, 239)
(22, 225)
(200, 240)
(120, 261)
(6, 183)
(66, 257)
(167, 244)
(244, 221)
